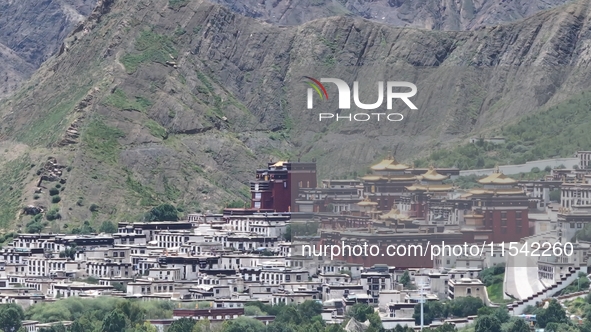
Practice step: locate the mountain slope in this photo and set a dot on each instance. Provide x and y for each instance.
(33, 30)
(149, 102)
(428, 14)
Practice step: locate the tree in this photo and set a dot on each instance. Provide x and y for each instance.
(447, 327)
(132, 311)
(82, 324)
(360, 312)
(10, 318)
(69, 252)
(251, 310)
(405, 279)
(519, 325)
(145, 327)
(182, 325)
(502, 314)
(164, 212)
(375, 322)
(242, 324)
(310, 308)
(114, 322)
(119, 286)
(55, 328)
(108, 227)
(203, 326)
(487, 324)
(35, 227)
(553, 314)
(287, 234)
(465, 306)
(84, 229)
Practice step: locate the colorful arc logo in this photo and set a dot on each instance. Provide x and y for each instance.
(318, 87)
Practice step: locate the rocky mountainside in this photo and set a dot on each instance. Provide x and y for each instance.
(427, 14)
(33, 30)
(156, 101)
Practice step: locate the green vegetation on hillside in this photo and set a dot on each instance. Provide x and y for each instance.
(12, 176)
(100, 314)
(459, 307)
(581, 284)
(164, 212)
(47, 128)
(120, 100)
(150, 46)
(557, 132)
(156, 129)
(492, 278)
(584, 234)
(101, 140)
(111, 314)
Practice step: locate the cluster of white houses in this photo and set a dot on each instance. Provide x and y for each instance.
(226, 259)
(244, 255)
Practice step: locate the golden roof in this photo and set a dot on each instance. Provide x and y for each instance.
(432, 175)
(507, 191)
(394, 214)
(398, 177)
(433, 187)
(371, 177)
(366, 202)
(497, 178)
(389, 164)
(279, 164)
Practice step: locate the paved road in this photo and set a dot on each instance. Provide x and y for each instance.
(524, 168)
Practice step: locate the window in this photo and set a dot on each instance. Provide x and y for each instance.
(257, 205)
(503, 214)
(572, 225)
(579, 225)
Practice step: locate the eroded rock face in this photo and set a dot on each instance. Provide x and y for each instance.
(31, 31)
(427, 14)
